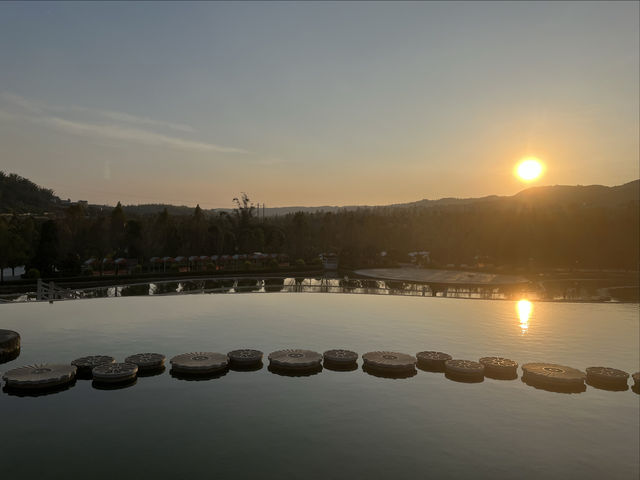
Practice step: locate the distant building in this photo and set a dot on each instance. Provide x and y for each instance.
(329, 261)
(421, 258)
(69, 203)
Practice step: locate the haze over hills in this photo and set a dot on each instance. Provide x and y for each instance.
(20, 195)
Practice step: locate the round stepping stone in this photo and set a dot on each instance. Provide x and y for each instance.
(340, 357)
(295, 359)
(636, 379)
(433, 360)
(245, 357)
(607, 377)
(9, 340)
(9, 345)
(552, 374)
(464, 368)
(389, 361)
(199, 362)
(9, 356)
(39, 376)
(114, 372)
(499, 367)
(85, 365)
(146, 361)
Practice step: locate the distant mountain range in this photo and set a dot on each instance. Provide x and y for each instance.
(587, 195)
(20, 195)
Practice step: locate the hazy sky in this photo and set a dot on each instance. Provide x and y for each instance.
(316, 103)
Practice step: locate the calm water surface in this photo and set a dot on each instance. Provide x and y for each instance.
(332, 424)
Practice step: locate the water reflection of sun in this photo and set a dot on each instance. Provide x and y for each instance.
(524, 307)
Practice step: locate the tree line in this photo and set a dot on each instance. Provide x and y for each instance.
(19, 195)
(512, 235)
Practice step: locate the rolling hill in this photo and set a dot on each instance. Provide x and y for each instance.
(20, 195)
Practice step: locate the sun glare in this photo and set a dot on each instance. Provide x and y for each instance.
(529, 169)
(524, 307)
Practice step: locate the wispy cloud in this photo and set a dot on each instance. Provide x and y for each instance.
(41, 107)
(130, 134)
(123, 127)
(23, 103)
(127, 118)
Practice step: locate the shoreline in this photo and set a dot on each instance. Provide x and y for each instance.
(319, 282)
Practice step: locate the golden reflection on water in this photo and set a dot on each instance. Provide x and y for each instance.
(524, 307)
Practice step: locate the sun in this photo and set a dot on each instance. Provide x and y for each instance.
(529, 169)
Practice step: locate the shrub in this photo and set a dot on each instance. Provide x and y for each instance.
(33, 273)
(300, 262)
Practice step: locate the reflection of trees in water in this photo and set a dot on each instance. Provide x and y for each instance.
(192, 286)
(403, 288)
(247, 285)
(374, 286)
(274, 284)
(625, 294)
(395, 286)
(298, 284)
(485, 292)
(163, 288)
(218, 285)
(327, 285)
(563, 289)
(350, 284)
(581, 289)
(135, 290)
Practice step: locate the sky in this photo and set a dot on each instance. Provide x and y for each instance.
(316, 103)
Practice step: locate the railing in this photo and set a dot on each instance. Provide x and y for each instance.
(50, 292)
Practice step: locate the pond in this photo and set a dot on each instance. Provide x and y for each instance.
(331, 424)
